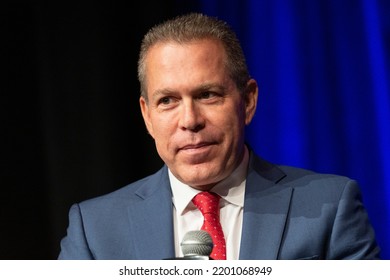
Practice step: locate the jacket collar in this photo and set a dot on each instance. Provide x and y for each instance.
(265, 210)
(151, 219)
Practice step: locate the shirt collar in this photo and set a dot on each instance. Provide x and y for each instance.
(231, 189)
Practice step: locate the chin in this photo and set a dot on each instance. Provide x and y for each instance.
(199, 178)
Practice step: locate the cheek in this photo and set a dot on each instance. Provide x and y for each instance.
(162, 128)
(164, 139)
(230, 119)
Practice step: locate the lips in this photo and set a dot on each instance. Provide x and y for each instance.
(195, 146)
(197, 153)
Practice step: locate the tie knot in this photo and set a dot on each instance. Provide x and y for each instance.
(207, 202)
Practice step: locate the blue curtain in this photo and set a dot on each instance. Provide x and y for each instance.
(323, 71)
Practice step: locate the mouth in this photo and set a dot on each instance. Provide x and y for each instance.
(195, 146)
(197, 152)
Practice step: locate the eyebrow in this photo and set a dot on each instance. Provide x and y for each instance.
(201, 88)
(209, 86)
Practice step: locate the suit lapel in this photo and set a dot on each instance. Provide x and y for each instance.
(151, 220)
(265, 211)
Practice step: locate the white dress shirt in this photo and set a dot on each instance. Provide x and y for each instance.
(187, 217)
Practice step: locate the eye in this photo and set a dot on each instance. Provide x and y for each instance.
(165, 100)
(206, 95)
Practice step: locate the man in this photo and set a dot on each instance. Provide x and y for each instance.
(196, 99)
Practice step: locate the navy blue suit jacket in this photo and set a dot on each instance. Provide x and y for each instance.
(289, 213)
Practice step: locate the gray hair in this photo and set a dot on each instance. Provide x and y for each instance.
(195, 26)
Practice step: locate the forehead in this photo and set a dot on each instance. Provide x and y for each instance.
(197, 61)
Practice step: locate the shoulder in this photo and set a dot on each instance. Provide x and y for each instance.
(129, 193)
(317, 188)
(300, 179)
(302, 175)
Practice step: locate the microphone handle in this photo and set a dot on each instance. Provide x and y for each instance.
(192, 257)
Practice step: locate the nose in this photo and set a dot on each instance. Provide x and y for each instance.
(190, 116)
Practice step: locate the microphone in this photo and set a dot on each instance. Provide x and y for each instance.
(196, 245)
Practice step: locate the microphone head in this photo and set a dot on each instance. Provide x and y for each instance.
(197, 242)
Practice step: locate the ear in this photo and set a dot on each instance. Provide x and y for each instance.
(145, 114)
(251, 95)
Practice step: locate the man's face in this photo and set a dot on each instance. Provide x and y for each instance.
(195, 112)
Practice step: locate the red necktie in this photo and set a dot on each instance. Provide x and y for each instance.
(208, 204)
